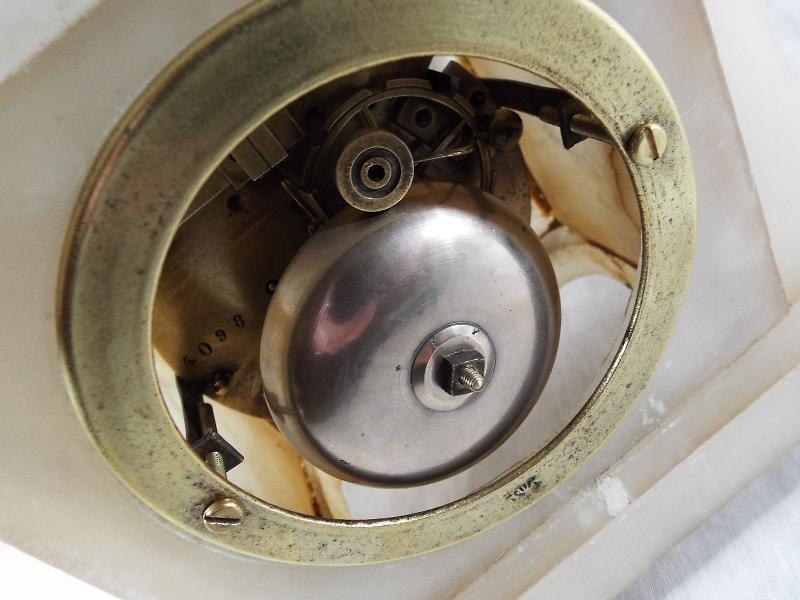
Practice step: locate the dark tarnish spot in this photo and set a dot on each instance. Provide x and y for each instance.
(523, 489)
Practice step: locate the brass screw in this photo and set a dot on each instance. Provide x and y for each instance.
(223, 514)
(647, 143)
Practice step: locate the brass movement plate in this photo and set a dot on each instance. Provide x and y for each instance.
(193, 115)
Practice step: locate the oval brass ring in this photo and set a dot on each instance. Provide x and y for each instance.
(198, 109)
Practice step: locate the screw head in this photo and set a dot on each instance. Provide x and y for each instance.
(505, 129)
(461, 372)
(647, 144)
(222, 515)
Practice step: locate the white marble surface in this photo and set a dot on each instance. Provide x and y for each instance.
(681, 500)
(759, 48)
(53, 117)
(23, 576)
(28, 26)
(749, 549)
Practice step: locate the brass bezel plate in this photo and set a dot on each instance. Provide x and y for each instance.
(197, 110)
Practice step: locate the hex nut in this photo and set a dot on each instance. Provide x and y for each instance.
(451, 367)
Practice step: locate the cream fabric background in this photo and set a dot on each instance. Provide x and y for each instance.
(749, 549)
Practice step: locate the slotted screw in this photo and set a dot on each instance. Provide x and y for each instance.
(223, 514)
(647, 144)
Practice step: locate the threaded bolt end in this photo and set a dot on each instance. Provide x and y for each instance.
(216, 463)
(471, 378)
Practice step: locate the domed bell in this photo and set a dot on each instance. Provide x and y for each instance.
(403, 346)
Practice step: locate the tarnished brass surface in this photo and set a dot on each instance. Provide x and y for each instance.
(215, 287)
(196, 112)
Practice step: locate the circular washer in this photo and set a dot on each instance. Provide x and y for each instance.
(450, 338)
(374, 171)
